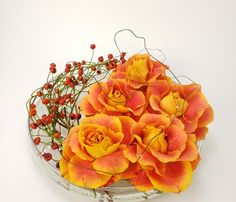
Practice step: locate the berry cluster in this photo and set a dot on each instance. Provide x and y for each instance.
(53, 107)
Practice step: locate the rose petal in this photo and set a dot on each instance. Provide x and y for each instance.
(155, 119)
(86, 107)
(130, 172)
(159, 88)
(136, 100)
(207, 117)
(127, 123)
(75, 145)
(113, 163)
(64, 167)
(94, 92)
(111, 122)
(83, 174)
(176, 138)
(177, 177)
(141, 182)
(201, 133)
(195, 162)
(190, 153)
(197, 105)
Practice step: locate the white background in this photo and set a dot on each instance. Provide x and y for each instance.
(198, 38)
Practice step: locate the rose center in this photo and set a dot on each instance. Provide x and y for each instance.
(173, 104)
(94, 137)
(155, 138)
(138, 70)
(116, 98)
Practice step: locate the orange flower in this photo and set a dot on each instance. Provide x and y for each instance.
(166, 177)
(164, 151)
(185, 102)
(114, 97)
(165, 138)
(92, 152)
(139, 70)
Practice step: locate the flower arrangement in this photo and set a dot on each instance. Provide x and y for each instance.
(117, 119)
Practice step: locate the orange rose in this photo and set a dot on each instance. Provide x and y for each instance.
(114, 97)
(164, 151)
(139, 70)
(92, 152)
(185, 102)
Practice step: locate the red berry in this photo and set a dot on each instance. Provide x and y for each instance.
(45, 101)
(99, 72)
(32, 112)
(39, 93)
(47, 156)
(39, 122)
(57, 134)
(56, 100)
(68, 65)
(37, 140)
(68, 95)
(67, 70)
(54, 146)
(72, 101)
(72, 116)
(32, 106)
(54, 109)
(53, 70)
(83, 62)
(110, 56)
(33, 126)
(62, 101)
(78, 116)
(92, 46)
(62, 115)
(46, 86)
(123, 61)
(123, 54)
(100, 59)
(53, 65)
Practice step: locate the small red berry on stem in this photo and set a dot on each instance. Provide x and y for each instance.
(92, 46)
(53, 65)
(39, 122)
(32, 106)
(39, 93)
(54, 146)
(77, 116)
(62, 101)
(33, 112)
(33, 126)
(72, 116)
(53, 70)
(47, 156)
(57, 135)
(37, 140)
(110, 56)
(45, 101)
(100, 59)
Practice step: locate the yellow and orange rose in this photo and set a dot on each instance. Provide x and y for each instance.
(139, 71)
(186, 102)
(114, 97)
(92, 152)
